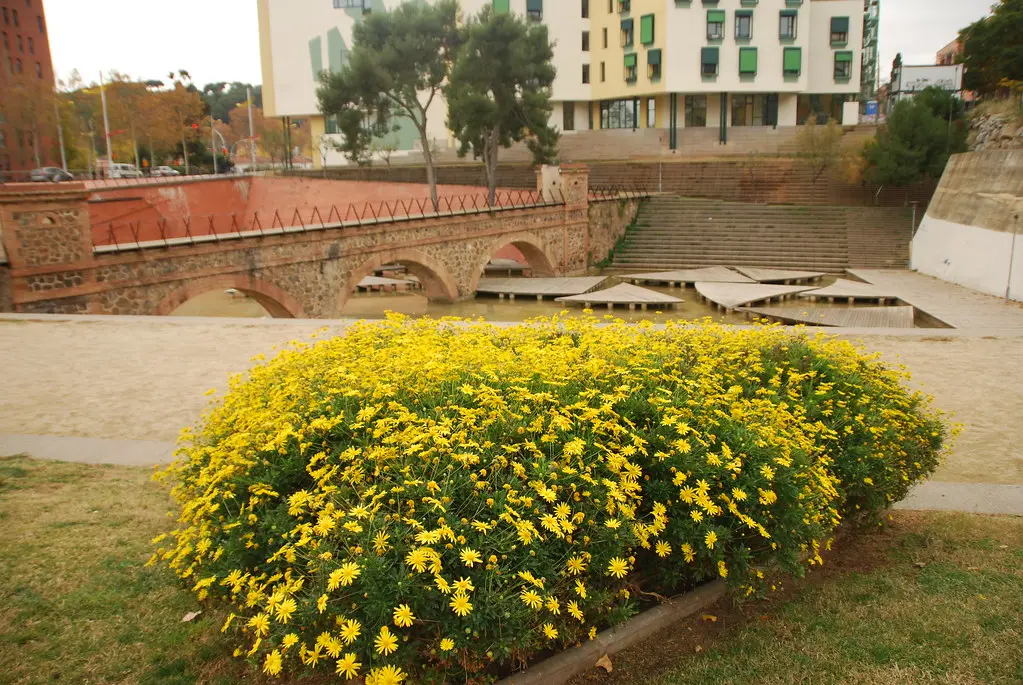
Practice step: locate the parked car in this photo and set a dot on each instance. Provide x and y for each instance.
(124, 171)
(50, 174)
(165, 171)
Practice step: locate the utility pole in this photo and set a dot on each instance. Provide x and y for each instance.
(252, 134)
(106, 123)
(60, 136)
(213, 144)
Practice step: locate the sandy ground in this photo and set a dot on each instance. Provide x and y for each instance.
(146, 379)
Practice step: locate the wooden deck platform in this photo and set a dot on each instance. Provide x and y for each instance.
(783, 276)
(386, 284)
(850, 291)
(843, 317)
(624, 294)
(728, 296)
(683, 277)
(538, 287)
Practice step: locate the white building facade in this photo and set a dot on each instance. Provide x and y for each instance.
(625, 64)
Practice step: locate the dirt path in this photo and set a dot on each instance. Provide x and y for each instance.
(143, 379)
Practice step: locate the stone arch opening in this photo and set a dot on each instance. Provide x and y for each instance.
(438, 283)
(540, 263)
(278, 303)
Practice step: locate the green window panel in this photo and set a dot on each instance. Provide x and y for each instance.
(843, 65)
(844, 56)
(747, 61)
(792, 61)
(653, 62)
(336, 50)
(627, 33)
(715, 24)
(653, 56)
(646, 29)
(534, 5)
(630, 67)
(630, 60)
(715, 16)
(502, 6)
(840, 24)
(709, 55)
(316, 56)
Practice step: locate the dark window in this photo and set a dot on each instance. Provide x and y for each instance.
(17, 65)
(628, 35)
(7, 42)
(7, 18)
(586, 41)
(14, 17)
(330, 124)
(709, 61)
(624, 5)
(605, 38)
(715, 24)
(39, 70)
(619, 113)
(839, 30)
(586, 73)
(821, 107)
(39, 21)
(843, 66)
(21, 44)
(586, 9)
(696, 110)
(603, 72)
(351, 5)
(3, 140)
(569, 116)
(610, 6)
(653, 64)
(534, 10)
(31, 46)
(787, 25)
(743, 25)
(748, 110)
(651, 113)
(630, 67)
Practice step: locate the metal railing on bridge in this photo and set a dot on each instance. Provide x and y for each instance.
(124, 235)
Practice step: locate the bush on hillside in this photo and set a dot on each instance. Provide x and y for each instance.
(447, 501)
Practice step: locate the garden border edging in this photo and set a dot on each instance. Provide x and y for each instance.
(564, 666)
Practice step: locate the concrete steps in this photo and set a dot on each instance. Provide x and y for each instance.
(676, 232)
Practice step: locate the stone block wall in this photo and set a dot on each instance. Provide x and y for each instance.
(608, 221)
(6, 301)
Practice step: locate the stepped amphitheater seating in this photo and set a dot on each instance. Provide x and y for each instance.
(673, 232)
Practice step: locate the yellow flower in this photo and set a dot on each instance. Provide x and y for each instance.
(460, 604)
(290, 640)
(385, 641)
(447, 644)
(470, 557)
(285, 609)
(272, 663)
(333, 648)
(576, 565)
(380, 543)
(593, 633)
(260, 624)
(531, 599)
(688, 553)
(662, 548)
(463, 585)
(550, 631)
(403, 617)
(575, 611)
(417, 559)
(580, 589)
(350, 631)
(553, 605)
(618, 567)
(442, 584)
(696, 515)
(612, 523)
(348, 666)
(388, 675)
(722, 569)
(321, 603)
(710, 538)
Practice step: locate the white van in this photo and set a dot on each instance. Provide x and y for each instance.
(124, 171)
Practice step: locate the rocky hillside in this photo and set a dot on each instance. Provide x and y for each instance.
(994, 131)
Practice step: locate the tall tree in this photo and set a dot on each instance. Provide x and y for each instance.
(913, 144)
(186, 108)
(821, 147)
(992, 49)
(500, 90)
(398, 65)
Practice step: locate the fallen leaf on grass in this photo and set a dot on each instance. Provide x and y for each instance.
(604, 662)
(699, 648)
(190, 616)
(709, 617)
(919, 564)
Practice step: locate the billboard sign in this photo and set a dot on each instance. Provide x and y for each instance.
(947, 77)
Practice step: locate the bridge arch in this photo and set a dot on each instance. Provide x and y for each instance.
(540, 263)
(277, 302)
(438, 283)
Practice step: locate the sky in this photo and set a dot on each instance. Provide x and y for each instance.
(218, 40)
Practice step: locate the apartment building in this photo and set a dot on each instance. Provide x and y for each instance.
(624, 64)
(26, 82)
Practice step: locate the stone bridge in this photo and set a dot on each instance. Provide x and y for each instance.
(54, 267)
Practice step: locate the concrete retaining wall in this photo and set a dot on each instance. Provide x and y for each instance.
(970, 234)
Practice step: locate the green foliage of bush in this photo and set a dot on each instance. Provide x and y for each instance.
(446, 500)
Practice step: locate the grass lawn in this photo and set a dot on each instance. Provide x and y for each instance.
(932, 598)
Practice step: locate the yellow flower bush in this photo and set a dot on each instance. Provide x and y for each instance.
(445, 500)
